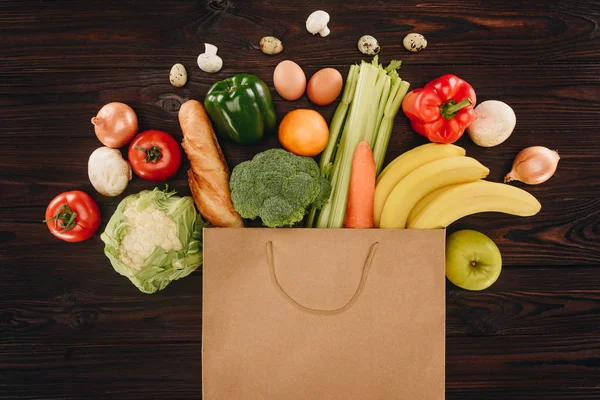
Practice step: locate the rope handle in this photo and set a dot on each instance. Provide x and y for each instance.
(361, 284)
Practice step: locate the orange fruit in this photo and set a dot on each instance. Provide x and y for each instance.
(303, 132)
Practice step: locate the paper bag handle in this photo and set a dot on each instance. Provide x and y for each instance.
(361, 284)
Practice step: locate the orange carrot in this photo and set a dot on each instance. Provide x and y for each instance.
(361, 193)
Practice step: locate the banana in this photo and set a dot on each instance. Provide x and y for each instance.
(472, 198)
(426, 179)
(427, 199)
(405, 164)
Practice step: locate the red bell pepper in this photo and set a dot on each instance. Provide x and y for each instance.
(442, 110)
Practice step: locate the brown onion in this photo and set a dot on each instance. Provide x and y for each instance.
(115, 124)
(533, 165)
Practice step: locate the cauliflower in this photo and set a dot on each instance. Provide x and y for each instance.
(153, 238)
(278, 187)
(147, 229)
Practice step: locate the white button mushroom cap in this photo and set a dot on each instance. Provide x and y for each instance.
(494, 122)
(109, 173)
(209, 61)
(317, 23)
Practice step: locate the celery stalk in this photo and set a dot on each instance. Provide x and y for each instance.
(339, 116)
(370, 132)
(371, 99)
(398, 92)
(335, 128)
(310, 219)
(355, 124)
(325, 211)
(392, 70)
(381, 107)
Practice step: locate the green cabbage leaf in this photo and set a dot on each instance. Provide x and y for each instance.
(153, 238)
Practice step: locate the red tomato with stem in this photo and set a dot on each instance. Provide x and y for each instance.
(154, 155)
(73, 216)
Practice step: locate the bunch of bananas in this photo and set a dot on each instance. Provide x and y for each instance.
(433, 185)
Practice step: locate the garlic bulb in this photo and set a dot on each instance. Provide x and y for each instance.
(108, 171)
(533, 165)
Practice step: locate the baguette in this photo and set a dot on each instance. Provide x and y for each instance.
(208, 176)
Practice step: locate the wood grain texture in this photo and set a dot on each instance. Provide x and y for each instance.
(565, 232)
(72, 328)
(72, 371)
(107, 309)
(507, 393)
(525, 365)
(459, 32)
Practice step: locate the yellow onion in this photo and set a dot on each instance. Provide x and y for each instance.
(533, 165)
(115, 124)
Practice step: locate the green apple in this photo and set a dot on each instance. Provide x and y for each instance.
(473, 261)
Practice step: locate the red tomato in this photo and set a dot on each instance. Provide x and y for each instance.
(154, 155)
(73, 216)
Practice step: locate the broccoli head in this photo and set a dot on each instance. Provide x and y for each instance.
(278, 187)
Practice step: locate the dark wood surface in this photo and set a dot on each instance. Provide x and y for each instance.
(71, 328)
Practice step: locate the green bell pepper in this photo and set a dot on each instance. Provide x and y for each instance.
(241, 109)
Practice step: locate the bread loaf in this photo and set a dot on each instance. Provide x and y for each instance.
(208, 176)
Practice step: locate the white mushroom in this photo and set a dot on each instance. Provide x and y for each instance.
(317, 23)
(368, 45)
(209, 61)
(108, 171)
(494, 123)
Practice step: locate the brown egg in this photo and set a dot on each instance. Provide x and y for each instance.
(289, 80)
(325, 86)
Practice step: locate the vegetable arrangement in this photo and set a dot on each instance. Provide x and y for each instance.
(155, 236)
(355, 120)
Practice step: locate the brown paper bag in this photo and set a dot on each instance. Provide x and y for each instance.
(323, 314)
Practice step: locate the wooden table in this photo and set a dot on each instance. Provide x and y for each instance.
(72, 328)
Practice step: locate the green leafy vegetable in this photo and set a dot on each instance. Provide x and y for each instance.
(371, 99)
(153, 238)
(278, 187)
